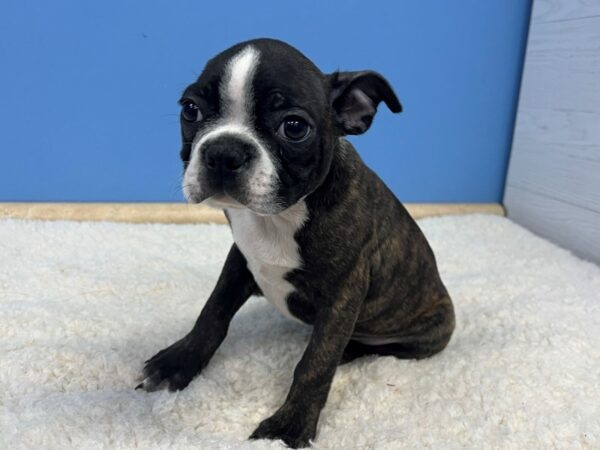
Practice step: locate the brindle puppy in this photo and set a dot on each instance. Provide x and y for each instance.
(316, 231)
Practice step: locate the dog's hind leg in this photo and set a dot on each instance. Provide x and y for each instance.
(428, 336)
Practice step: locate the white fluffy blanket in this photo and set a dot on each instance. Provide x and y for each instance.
(82, 305)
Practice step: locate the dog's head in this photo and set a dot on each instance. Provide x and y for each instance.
(260, 125)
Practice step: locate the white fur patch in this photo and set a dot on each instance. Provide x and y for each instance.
(268, 244)
(236, 92)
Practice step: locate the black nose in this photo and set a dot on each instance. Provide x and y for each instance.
(227, 154)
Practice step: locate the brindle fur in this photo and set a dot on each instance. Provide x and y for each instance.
(395, 285)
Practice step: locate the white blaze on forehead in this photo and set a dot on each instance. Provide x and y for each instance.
(236, 89)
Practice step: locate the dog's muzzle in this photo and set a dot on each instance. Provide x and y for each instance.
(225, 160)
(227, 156)
(230, 170)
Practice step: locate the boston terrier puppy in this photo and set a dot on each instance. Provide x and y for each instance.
(316, 232)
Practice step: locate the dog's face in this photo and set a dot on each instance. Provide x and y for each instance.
(260, 124)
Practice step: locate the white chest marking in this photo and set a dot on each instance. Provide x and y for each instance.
(268, 244)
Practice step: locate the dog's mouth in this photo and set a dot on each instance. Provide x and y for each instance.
(222, 197)
(210, 193)
(223, 201)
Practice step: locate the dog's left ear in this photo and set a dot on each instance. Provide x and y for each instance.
(354, 97)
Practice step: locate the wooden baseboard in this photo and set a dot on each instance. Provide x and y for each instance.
(184, 213)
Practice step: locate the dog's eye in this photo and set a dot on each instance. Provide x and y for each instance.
(191, 112)
(294, 129)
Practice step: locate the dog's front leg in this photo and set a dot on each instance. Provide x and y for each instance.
(177, 364)
(295, 422)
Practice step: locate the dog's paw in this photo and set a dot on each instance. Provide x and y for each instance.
(173, 367)
(289, 426)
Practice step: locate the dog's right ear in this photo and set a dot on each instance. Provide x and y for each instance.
(354, 97)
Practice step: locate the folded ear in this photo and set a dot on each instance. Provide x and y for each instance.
(355, 96)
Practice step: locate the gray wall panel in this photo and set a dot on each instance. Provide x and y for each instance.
(553, 182)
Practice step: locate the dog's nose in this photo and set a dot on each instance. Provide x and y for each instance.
(227, 155)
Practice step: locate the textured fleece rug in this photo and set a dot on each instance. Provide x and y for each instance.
(82, 305)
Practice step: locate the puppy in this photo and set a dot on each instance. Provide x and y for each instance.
(316, 232)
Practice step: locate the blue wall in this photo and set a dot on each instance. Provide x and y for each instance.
(88, 90)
